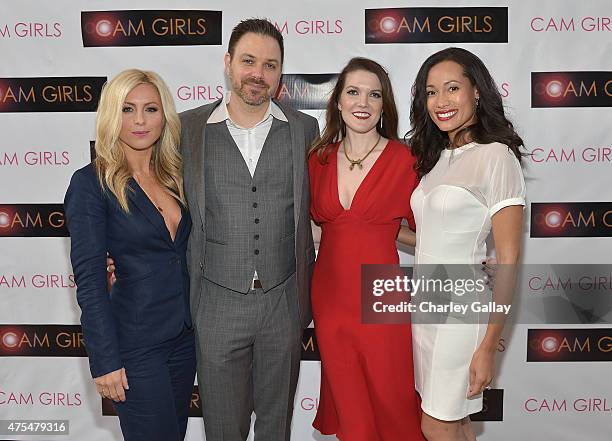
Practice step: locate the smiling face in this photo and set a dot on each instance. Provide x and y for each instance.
(361, 101)
(451, 98)
(254, 69)
(142, 118)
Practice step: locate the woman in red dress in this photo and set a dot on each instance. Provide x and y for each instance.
(361, 180)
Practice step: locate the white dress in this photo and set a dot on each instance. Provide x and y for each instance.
(453, 206)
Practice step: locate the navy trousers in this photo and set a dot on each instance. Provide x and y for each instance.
(161, 385)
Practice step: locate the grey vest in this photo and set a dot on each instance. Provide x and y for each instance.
(249, 221)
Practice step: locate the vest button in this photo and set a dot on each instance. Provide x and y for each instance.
(256, 237)
(256, 252)
(254, 204)
(253, 189)
(256, 220)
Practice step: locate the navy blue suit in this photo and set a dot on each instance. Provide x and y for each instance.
(144, 324)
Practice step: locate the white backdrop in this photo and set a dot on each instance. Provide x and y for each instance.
(35, 287)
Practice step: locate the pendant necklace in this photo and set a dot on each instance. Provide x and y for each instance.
(358, 162)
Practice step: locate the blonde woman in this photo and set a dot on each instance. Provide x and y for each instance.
(130, 203)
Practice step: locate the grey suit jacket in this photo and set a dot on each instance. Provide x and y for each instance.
(304, 130)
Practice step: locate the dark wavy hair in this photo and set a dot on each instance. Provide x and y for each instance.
(259, 26)
(335, 128)
(425, 138)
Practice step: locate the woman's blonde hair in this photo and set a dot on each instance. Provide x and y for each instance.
(111, 163)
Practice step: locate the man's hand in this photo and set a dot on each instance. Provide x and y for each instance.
(112, 385)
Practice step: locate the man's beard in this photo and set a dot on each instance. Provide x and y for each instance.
(249, 98)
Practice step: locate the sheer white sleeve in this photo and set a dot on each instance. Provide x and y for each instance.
(506, 184)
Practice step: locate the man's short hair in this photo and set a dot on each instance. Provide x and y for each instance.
(259, 26)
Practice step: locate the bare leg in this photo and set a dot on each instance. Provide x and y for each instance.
(438, 430)
(466, 425)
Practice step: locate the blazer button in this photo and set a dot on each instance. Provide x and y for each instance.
(256, 220)
(256, 252)
(253, 189)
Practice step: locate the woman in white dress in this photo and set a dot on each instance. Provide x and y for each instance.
(468, 159)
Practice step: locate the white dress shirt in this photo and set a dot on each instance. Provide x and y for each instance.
(250, 141)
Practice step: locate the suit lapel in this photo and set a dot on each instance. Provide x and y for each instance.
(197, 141)
(299, 162)
(142, 202)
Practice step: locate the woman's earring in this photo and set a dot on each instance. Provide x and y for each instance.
(477, 101)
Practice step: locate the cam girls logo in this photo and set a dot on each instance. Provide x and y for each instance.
(571, 89)
(587, 344)
(35, 158)
(31, 29)
(571, 24)
(32, 220)
(561, 154)
(50, 94)
(310, 26)
(41, 341)
(436, 25)
(571, 219)
(306, 91)
(150, 28)
(200, 92)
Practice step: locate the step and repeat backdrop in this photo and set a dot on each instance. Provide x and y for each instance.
(552, 61)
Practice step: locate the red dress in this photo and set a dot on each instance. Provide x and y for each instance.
(367, 380)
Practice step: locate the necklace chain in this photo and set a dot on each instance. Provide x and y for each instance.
(358, 161)
(158, 206)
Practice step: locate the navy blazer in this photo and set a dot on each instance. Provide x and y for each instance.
(149, 302)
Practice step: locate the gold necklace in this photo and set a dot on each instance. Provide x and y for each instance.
(358, 162)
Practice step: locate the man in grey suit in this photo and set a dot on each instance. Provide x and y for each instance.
(250, 250)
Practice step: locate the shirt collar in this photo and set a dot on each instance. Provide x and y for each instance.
(221, 114)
